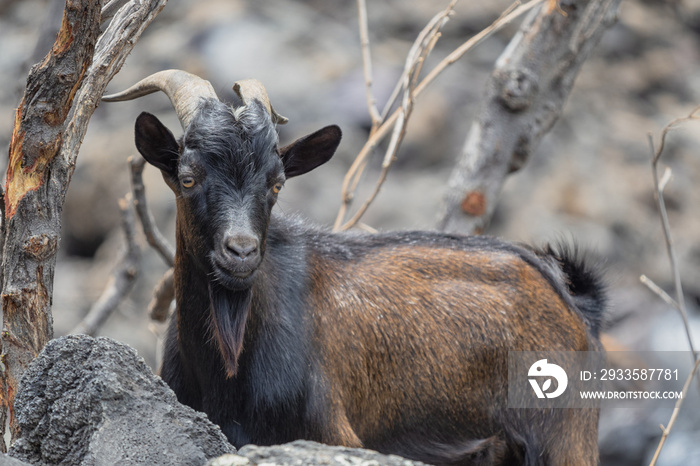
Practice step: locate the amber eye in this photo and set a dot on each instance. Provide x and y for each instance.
(187, 182)
(276, 188)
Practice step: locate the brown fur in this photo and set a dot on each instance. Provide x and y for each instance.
(472, 307)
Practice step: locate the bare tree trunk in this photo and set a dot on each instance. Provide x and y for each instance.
(524, 97)
(32, 203)
(61, 95)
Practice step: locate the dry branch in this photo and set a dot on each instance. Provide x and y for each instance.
(352, 176)
(154, 237)
(367, 63)
(430, 29)
(163, 296)
(128, 265)
(676, 410)
(659, 186)
(164, 292)
(679, 302)
(421, 48)
(649, 283)
(123, 277)
(61, 95)
(523, 99)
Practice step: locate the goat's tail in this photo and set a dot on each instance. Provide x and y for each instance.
(583, 281)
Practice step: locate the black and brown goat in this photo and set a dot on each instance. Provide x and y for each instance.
(396, 342)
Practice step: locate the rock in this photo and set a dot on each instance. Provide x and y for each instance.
(86, 401)
(303, 452)
(9, 461)
(229, 460)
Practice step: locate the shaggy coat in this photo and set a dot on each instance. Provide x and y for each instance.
(396, 342)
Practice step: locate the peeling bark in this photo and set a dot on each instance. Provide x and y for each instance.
(32, 208)
(523, 99)
(62, 92)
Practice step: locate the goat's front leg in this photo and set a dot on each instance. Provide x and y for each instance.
(340, 431)
(236, 434)
(326, 419)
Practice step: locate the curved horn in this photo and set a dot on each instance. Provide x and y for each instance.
(251, 89)
(185, 90)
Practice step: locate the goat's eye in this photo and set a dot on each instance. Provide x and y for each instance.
(187, 182)
(276, 188)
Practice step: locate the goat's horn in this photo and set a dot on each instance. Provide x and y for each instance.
(251, 89)
(184, 90)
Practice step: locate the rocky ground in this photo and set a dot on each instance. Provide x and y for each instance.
(590, 180)
(82, 403)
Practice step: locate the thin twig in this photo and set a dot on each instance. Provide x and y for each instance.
(367, 64)
(679, 302)
(164, 292)
(417, 54)
(154, 237)
(381, 132)
(679, 402)
(367, 228)
(414, 62)
(658, 291)
(163, 296)
(397, 137)
(442, 16)
(668, 174)
(419, 51)
(123, 277)
(429, 31)
(659, 195)
(691, 116)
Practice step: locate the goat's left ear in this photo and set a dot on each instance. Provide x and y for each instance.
(156, 143)
(307, 153)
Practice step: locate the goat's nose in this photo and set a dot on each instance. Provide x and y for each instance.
(242, 247)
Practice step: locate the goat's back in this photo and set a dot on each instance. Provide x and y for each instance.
(414, 329)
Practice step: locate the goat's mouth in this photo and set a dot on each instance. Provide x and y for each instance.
(234, 277)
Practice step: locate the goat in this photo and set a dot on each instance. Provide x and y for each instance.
(395, 341)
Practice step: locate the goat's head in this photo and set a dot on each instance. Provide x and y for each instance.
(226, 170)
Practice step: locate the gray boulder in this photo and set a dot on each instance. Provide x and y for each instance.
(9, 461)
(87, 401)
(303, 452)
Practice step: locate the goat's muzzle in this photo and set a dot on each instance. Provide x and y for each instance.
(236, 261)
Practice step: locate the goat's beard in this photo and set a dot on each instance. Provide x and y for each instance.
(229, 313)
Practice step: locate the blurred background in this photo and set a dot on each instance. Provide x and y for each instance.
(590, 180)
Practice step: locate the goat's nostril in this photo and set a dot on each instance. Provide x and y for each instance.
(242, 248)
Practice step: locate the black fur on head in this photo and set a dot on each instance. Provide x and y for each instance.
(226, 172)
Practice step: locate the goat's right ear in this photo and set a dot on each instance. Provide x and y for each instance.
(307, 153)
(156, 143)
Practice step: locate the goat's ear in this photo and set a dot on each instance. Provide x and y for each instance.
(307, 153)
(156, 143)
